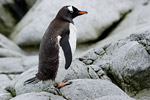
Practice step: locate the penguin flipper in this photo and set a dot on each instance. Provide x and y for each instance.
(64, 43)
(33, 80)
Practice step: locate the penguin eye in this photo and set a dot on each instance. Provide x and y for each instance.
(70, 9)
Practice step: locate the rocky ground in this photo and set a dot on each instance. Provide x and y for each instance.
(112, 61)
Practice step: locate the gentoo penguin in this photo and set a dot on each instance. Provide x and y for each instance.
(57, 47)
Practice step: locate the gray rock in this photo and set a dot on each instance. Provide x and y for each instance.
(38, 96)
(9, 53)
(79, 70)
(115, 97)
(4, 82)
(29, 61)
(17, 65)
(29, 31)
(126, 62)
(8, 48)
(21, 88)
(5, 96)
(11, 66)
(90, 89)
(80, 89)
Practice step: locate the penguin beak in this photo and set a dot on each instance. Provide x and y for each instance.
(81, 12)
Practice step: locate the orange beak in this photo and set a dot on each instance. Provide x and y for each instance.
(82, 12)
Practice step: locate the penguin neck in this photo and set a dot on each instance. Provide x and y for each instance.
(65, 19)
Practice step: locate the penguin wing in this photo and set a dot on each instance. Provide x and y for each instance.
(64, 43)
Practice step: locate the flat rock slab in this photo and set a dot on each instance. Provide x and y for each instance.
(17, 65)
(38, 96)
(11, 65)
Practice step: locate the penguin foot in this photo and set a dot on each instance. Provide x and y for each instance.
(61, 84)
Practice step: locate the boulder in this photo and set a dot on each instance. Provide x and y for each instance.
(126, 62)
(9, 49)
(31, 28)
(4, 82)
(38, 96)
(90, 89)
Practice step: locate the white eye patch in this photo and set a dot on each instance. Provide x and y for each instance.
(70, 9)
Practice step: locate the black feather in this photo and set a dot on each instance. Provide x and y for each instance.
(33, 80)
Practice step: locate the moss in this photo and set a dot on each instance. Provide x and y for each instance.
(11, 90)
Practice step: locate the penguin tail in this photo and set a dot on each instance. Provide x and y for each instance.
(33, 80)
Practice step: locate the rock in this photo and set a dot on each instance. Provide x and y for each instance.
(7, 22)
(38, 96)
(81, 69)
(90, 89)
(81, 89)
(21, 88)
(4, 82)
(115, 97)
(11, 66)
(8, 48)
(17, 65)
(29, 61)
(9, 53)
(5, 96)
(29, 31)
(127, 61)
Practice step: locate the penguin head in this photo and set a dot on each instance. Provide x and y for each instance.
(68, 13)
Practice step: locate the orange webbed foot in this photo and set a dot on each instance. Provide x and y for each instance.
(61, 84)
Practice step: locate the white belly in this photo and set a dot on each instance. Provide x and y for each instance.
(72, 37)
(61, 69)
